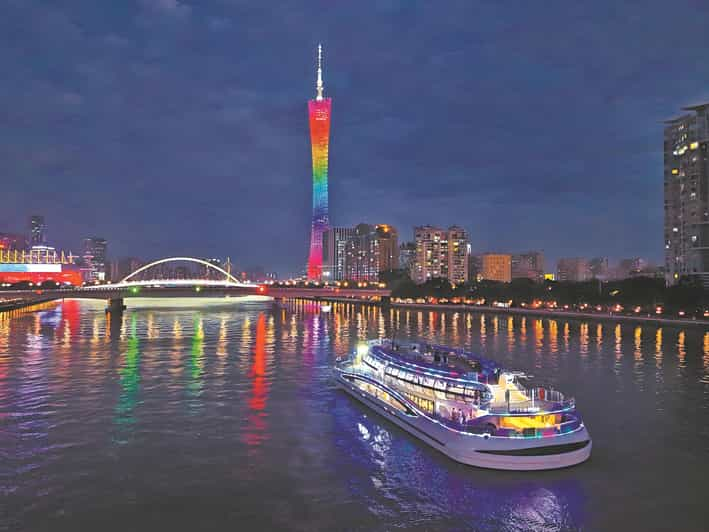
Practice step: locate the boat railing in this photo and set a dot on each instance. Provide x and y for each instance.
(531, 407)
(483, 426)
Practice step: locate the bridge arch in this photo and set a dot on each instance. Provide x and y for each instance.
(229, 276)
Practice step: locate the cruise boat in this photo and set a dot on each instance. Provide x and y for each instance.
(466, 406)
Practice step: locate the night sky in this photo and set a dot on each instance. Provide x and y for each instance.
(180, 127)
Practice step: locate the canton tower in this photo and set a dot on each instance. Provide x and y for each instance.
(319, 113)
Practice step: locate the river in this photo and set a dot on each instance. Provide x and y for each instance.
(225, 417)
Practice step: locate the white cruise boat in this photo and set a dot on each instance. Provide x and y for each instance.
(466, 406)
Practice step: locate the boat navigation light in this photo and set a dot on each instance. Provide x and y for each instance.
(362, 349)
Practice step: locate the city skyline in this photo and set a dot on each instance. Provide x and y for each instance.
(221, 143)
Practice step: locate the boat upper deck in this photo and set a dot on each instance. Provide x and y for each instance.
(448, 362)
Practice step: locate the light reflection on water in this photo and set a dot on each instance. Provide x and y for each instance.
(101, 413)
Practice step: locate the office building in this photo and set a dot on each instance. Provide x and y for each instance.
(37, 236)
(335, 251)
(94, 259)
(528, 265)
(686, 184)
(497, 267)
(573, 269)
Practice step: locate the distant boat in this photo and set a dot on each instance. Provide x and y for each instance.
(325, 307)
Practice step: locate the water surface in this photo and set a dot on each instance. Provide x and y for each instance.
(224, 417)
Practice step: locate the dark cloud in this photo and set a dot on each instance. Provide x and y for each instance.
(174, 127)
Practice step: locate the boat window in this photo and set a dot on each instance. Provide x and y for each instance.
(424, 404)
(455, 388)
(382, 395)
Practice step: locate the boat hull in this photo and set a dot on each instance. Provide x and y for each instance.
(517, 454)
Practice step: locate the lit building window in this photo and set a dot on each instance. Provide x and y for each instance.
(675, 171)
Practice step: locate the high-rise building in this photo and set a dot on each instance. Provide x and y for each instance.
(497, 267)
(431, 253)
(38, 236)
(441, 253)
(687, 195)
(573, 269)
(94, 258)
(334, 252)
(598, 268)
(319, 111)
(458, 253)
(407, 257)
(372, 249)
(528, 265)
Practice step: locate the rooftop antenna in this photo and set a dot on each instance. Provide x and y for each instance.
(318, 84)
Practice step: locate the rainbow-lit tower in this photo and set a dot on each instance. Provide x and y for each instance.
(319, 111)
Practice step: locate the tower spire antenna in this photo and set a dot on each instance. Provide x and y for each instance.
(318, 84)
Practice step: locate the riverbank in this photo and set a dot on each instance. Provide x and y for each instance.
(657, 320)
(549, 313)
(25, 304)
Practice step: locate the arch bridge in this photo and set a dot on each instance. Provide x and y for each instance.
(227, 285)
(132, 286)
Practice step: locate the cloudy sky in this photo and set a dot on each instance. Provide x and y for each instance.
(180, 126)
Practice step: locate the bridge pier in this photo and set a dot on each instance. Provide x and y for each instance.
(115, 306)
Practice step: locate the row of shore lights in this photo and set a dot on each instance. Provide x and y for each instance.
(342, 284)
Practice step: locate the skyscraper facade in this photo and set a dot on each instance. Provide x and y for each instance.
(372, 249)
(431, 253)
(458, 252)
(441, 253)
(319, 111)
(334, 252)
(94, 257)
(686, 171)
(37, 231)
